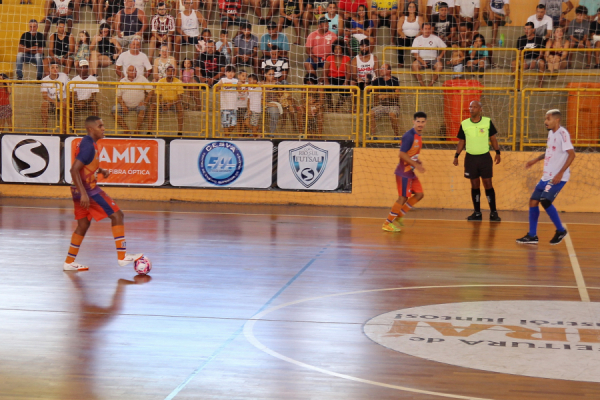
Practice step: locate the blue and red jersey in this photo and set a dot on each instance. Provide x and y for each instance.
(411, 145)
(87, 153)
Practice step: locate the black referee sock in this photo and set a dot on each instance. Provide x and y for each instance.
(491, 197)
(476, 197)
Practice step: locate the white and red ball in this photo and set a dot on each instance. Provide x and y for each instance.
(142, 265)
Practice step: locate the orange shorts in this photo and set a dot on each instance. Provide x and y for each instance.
(408, 186)
(101, 206)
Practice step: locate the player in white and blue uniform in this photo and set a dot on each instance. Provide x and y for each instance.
(557, 159)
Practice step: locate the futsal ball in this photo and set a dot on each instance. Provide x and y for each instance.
(142, 265)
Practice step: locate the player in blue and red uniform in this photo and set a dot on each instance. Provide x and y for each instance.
(90, 201)
(410, 191)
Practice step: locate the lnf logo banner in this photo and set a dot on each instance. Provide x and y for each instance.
(308, 165)
(32, 159)
(130, 161)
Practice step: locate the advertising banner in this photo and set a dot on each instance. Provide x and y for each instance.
(308, 165)
(31, 159)
(130, 161)
(221, 163)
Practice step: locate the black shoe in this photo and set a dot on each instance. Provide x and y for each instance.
(494, 217)
(179, 134)
(558, 237)
(476, 216)
(527, 239)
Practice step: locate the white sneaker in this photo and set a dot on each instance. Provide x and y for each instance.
(74, 267)
(102, 21)
(129, 258)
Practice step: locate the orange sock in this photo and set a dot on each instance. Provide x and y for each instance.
(408, 205)
(119, 234)
(394, 213)
(74, 248)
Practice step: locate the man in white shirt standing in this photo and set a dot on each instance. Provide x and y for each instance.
(84, 95)
(53, 100)
(132, 98)
(134, 57)
(557, 159)
(541, 22)
(467, 13)
(427, 59)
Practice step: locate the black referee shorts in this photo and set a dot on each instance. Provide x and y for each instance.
(480, 165)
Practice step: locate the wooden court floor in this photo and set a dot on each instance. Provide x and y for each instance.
(266, 302)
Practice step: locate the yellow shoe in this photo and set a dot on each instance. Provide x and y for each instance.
(390, 227)
(398, 222)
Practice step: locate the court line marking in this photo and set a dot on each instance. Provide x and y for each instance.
(583, 293)
(249, 334)
(286, 215)
(237, 333)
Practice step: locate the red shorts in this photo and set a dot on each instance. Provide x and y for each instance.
(101, 206)
(408, 186)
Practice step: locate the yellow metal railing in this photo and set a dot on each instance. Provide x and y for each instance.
(287, 112)
(387, 112)
(507, 54)
(31, 113)
(580, 109)
(164, 109)
(314, 112)
(574, 67)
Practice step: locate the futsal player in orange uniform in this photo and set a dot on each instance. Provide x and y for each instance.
(410, 191)
(90, 201)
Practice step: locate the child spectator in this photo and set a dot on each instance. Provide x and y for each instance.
(224, 46)
(456, 61)
(280, 64)
(187, 75)
(478, 56)
(255, 104)
(82, 50)
(314, 122)
(206, 36)
(242, 100)
(228, 100)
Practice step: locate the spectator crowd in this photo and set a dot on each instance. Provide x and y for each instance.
(339, 39)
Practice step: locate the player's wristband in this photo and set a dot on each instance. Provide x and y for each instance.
(456, 155)
(497, 152)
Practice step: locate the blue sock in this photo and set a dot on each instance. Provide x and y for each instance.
(534, 215)
(553, 214)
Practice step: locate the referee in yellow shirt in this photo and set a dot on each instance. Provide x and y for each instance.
(476, 133)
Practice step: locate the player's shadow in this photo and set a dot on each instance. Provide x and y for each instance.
(79, 381)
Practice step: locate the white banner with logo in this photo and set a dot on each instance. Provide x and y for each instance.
(308, 165)
(221, 163)
(32, 159)
(129, 161)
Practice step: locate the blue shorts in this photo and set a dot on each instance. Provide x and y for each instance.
(546, 190)
(228, 118)
(317, 65)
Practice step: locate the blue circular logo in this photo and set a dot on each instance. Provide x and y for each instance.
(221, 163)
